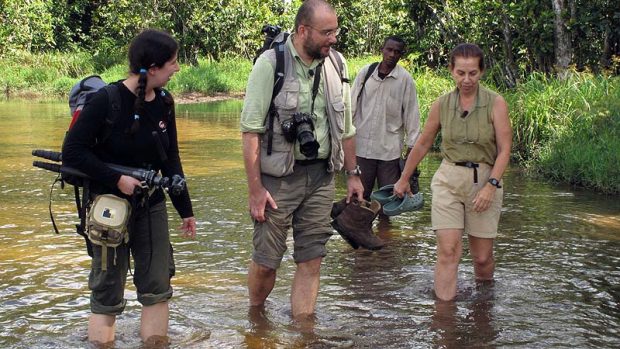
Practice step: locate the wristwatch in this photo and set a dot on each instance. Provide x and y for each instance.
(354, 172)
(494, 182)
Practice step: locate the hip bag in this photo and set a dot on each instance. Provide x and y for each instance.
(107, 224)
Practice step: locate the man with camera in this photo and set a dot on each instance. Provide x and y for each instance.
(293, 143)
(386, 115)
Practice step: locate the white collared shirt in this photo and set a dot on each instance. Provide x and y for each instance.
(386, 115)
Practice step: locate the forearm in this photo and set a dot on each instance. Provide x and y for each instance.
(350, 161)
(413, 160)
(501, 163)
(251, 159)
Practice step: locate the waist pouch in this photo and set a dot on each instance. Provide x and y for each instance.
(107, 224)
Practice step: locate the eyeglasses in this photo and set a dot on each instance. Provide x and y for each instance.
(326, 33)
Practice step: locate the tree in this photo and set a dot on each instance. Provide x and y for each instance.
(563, 49)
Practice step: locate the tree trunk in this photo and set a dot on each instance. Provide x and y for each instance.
(563, 48)
(509, 68)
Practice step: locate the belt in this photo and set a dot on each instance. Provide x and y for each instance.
(470, 164)
(310, 162)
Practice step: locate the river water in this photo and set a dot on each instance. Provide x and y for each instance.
(557, 278)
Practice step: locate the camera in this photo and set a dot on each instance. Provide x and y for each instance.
(271, 30)
(301, 128)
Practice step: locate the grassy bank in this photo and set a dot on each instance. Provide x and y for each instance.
(569, 131)
(565, 131)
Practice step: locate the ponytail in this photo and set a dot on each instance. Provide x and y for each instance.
(138, 106)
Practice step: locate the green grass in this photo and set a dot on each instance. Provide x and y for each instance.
(579, 140)
(50, 76)
(564, 130)
(209, 76)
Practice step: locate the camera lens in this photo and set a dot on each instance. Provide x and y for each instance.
(308, 146)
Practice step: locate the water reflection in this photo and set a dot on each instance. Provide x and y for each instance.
(557, 275)
(466, 324)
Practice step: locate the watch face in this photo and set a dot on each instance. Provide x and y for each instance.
(354, 172)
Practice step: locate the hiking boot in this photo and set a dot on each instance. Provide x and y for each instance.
(337, 208)
(354, 224)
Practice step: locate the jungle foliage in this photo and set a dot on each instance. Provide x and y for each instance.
(519, 36)
(556, 61)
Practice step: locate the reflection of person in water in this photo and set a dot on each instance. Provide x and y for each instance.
(260, 334)
(264, 333)
(475, 330)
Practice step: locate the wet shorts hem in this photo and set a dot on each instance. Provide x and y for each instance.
(310, 254)
(261, 259)
(97, 308)
(147, 299)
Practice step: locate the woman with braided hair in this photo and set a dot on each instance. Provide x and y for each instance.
(144, 135)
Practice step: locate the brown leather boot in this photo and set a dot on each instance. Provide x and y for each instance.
(354, 224)
(338, 207)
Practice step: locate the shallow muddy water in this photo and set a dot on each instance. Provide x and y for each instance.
(557, 278)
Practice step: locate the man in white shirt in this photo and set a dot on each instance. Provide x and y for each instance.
(386, 116)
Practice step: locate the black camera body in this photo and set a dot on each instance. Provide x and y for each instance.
(301, 128)
(271, 30)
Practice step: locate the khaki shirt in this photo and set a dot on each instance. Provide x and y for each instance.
(386, 115)
(258, 97)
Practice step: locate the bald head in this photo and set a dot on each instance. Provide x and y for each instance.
(306, 12)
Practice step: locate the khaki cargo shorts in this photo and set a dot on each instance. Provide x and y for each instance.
(453, 190)
(304, 200)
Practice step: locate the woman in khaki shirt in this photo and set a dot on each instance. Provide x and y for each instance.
(467, 189)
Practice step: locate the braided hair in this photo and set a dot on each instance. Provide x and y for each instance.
(150, 48)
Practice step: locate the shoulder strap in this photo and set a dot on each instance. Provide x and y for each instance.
(369, 72)
(334, 55)
(114, 109)
(278, 77)
(278, 81)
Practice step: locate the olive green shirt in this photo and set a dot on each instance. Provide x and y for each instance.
(258, 97)
(469, 137)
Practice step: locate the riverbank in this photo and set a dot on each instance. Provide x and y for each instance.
(181, 98)
(198, 97)
(564, 130)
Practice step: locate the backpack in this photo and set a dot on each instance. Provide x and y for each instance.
(79, 97)
(84, 90)
(273, 37)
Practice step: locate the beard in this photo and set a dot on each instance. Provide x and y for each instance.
(314, 50)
